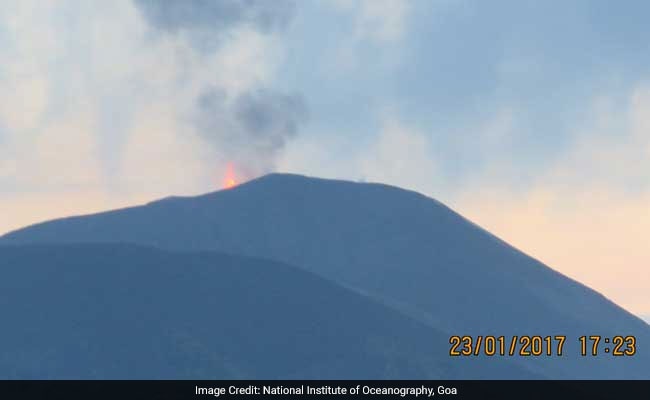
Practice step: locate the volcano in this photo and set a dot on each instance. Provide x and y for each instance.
(399, 249)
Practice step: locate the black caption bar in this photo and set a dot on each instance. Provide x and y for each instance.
(208, 390)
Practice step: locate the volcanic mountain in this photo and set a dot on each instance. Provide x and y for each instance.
(116, 311)
(400, 249)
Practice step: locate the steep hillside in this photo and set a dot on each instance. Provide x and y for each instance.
(122, 311)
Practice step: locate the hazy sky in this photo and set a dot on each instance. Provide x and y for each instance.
(531, 118)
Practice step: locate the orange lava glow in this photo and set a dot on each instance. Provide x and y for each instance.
(229, 180)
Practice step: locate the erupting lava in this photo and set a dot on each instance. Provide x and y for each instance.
(229, 180)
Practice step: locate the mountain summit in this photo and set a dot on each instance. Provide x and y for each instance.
(397, 247)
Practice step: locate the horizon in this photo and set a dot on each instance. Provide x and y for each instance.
(530, 122)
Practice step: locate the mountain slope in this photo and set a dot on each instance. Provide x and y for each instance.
(128, 312)
(399, 247)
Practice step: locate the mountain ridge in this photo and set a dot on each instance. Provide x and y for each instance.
(124, 311)
(400, 247)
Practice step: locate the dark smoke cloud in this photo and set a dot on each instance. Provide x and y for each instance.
(216, 15)
(252, 128)
(247, 128)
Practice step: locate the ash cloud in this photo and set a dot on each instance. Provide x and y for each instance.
(246, 126)
(216, 15)
(253, 126)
